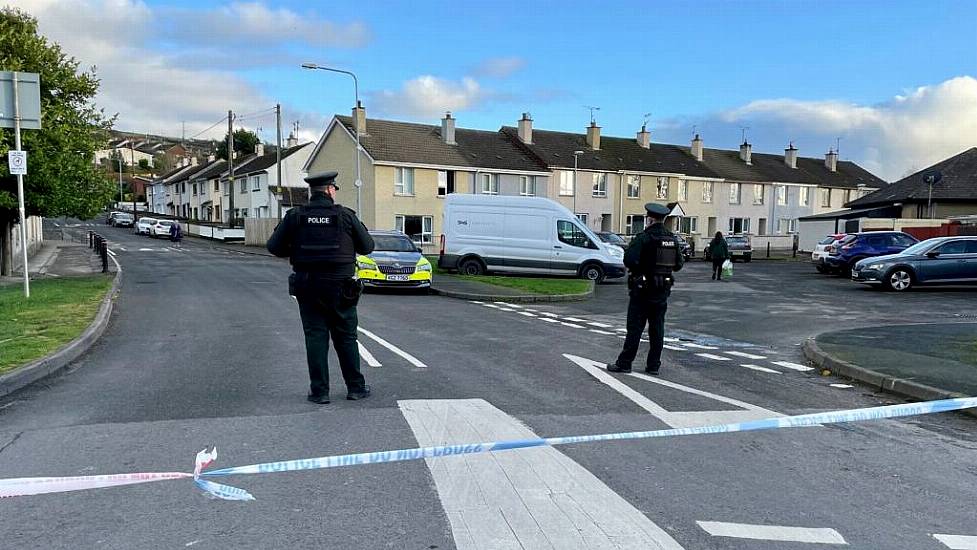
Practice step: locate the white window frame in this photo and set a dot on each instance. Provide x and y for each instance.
(244, 186)
(693, 223)
(600, 185)
(781, 195)
(442, 183)
(735, 193)
(683, 190)
(404, 182)
(582, 217)
(744, 226)
(255, 183)
(527, 186)
(825, 197)
(757, 197)
(708, 187)
(805, 197)
(427, 227)
(629, 223)
(634, 186)
(194, 188)
(662, 188)
(489, 184)
(566, 184)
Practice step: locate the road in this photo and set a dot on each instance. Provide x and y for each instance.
(205, 348)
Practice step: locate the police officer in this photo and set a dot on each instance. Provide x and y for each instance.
(321, 241)
(651, 258)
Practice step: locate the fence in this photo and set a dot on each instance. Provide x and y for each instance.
(258, 230)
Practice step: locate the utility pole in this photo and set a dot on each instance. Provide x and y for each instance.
(132, 186)
(20, 192)
(278, 157)
(230, 167)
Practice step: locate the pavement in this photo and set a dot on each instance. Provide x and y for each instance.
(205, 348)
(60, 259)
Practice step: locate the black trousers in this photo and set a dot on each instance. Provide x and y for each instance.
(717, 268)
(326, 314)
(645, 308)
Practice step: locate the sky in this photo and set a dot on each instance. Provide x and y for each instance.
(893, 82)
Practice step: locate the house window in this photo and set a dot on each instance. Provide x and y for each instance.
(734, 193)
(195, 213)
(805, 198)
(662, 187)
(244, 185)
(442, 183)
(582, 218)
(825, 197)
(634, 224)
(195, 189)
(566, 184)
(781, 195)
(403, 181)
(634, 187)
(757, 193)
(217, 186)
(849, 196)
(420, 229)
(739, 225)
(490, 184)
(707, 192)
(527, 186)
(786, 225)
(257, 212)
(683, 190)
(688, 225)
(255, 183)
(227, 188)
(600, 185)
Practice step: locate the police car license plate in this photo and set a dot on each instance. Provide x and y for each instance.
(397, 277)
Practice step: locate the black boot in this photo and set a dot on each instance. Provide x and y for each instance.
(614, 367)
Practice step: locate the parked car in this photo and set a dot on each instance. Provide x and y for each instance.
(160, 229)
(143, 225)
(943, 260)
(395, 262)
(110, 219)
(821, 251)
(123, 219)
(685, 247)
(610, 237)
(522, 235)
(868, 244)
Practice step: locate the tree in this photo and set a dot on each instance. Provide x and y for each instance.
(63, 179)
(144, 165)
(244, 143)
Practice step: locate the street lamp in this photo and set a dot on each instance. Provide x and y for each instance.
(120, 181)
(576, 154)
(356, 124)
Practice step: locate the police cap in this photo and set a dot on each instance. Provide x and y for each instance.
(323, 179)
(657, 210)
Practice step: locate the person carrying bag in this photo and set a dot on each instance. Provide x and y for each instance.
(719, 252)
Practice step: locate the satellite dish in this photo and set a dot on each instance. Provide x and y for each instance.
(933, 177)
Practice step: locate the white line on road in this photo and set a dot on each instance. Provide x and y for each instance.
(746, 355)
(410, 358)
(368, 357)
(145, 250)
(761, 369)
(958, 542)
(673, 348)
(713, 357)
(598, 331)
(526, 313)
(529, 498)
(506, 309)
(517, 306)
(491, 305)
(548, 314)
(477, 302)
(110, 252)
(575, 320)
(599, 325)
(792, 366)
(841, 386)
(571, 325)
(697, 346)
(122, 248)
(548, 320)
(668, 339)
(772, 532)
(621, 329)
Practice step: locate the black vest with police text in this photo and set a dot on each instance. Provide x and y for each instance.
(322, 240)
(660, 256)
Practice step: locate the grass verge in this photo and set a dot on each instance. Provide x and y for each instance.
(58, 311)
(532, 285)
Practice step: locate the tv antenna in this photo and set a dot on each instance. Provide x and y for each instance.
(647, 117)
(694, 127)
(838, 146)
(593, 109)
(743, 130)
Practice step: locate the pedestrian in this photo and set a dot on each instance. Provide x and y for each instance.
(719, 252)
(651, 258)
(176, 233)
(321, 241)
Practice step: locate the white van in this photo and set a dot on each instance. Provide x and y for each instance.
(484, 233)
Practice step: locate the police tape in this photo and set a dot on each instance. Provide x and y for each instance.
(31, 486)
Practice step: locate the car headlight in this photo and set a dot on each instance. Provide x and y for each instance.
(424, 265)
(616, 252)
(874, 267)
(365, 264)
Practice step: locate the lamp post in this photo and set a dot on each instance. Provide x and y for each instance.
(120, 180)
(576, 154)
(356, 125)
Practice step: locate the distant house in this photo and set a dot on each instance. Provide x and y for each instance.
(953, 194)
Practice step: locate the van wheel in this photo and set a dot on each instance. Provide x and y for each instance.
(593, 272)
(471, 266)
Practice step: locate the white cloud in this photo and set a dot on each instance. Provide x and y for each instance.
(910, 131)
(500, 67)
(429, 97)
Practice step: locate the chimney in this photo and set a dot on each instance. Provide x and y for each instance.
(292, 141)
(526, 129)
(644, 137)
(697, 148)
(831, 160)
(790, 156)
(448, 129)
(359, 118)
(746, 152)
(593, 136)
(193, 161)
(211, 158)
(259, 149)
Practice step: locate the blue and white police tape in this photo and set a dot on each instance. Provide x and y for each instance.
(24, 486)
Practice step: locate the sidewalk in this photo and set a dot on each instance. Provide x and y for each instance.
(60, 259)
(924, 361)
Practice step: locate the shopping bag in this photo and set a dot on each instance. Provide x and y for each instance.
(727, 269)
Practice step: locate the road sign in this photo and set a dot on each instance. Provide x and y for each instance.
(17, 161)
(29, 96)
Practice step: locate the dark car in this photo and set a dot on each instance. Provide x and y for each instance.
(685, 247)
(943, 260)
(858, 246)
(612, 238)
(739, 247)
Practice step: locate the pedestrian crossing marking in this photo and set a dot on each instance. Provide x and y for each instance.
(368, 357)
(713, 357)
(792, 366)
(746, 355)
(697, 346)
(772, 532)
(958, 542)
(673, 348)
(760, 369)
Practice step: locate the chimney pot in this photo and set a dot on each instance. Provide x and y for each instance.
(746, 152)
(831, 160)
(644, 137)
(790, 156)
(259, 149)
(593, 136)
(526, 129)
(359, 119)
(448, 129)
(697, 148)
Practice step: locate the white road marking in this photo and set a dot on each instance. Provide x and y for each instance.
(841, 386)
(110, 252)
(368, 357)
(575, 320)
(772, 532)
(958, 542)
(526, 498)
(506, 309)
(548, 320)
(122, 248)
(410, 358)
(477, 302)
(548, 314)
(145, 250)
(526, 313)
(674, 419)
(502, 303)
(529, 309)
(621, 329)
(792, 366)
(746, 355)
(697, 346)
(761, 369)
(599, 325)
(517, 306)
(673, 348)
(598, 331)
(713, 357)
(491, 305)
(570, 325)
(668, 339)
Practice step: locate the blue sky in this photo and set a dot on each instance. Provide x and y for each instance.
(717, 64)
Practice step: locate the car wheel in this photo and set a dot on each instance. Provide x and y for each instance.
(471, 266)
(748, 258)
(593, 272)
(821, 269)
(899, 280)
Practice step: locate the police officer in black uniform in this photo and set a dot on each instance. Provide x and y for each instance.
(651, 259)
(321, 241)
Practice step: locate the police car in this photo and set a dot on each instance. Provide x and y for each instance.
(396, 262)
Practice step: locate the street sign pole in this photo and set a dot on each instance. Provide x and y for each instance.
(20, 193)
